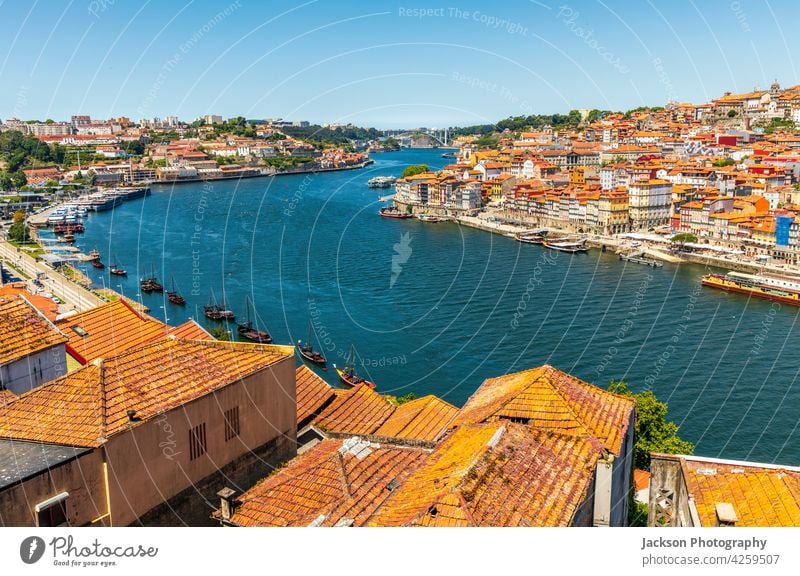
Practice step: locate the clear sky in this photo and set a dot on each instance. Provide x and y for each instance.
(381, 63)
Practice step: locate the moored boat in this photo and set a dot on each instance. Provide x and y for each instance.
(151, 284)
(774, 288)
(430, 218)
(174, 297)
(246, 329)
(570, 247)
(116, 270)
(307, 352)
(216, 311)
(347, 374)
(393, 212)
(97, 264)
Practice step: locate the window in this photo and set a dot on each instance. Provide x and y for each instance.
(197, 441)
(231, 423)
(53, 511)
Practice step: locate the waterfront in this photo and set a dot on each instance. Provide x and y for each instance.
(436, 308)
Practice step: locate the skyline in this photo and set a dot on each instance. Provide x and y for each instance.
(389, 65)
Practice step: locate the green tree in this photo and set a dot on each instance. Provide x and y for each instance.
(220, 333)
(414, 170)
(18, 231)
(406, 398)
(683, 238)
(731, 113)
(653, 432)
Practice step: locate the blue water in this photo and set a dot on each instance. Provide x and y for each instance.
(464, 305)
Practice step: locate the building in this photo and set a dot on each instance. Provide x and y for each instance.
(146, 436)
(694, 491)
(32, 349)
(650, 203)
(212, 119)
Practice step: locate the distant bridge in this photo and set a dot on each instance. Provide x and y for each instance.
(434, 136)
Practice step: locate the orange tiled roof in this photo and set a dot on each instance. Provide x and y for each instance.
(421, 419)
(189, 330)
(87, 406)
(313, 393)
(23, 331)
(110, 329)
(550, 399)
(44, 305)
(496, 475)
(359, 410)
(336, 480)
(760, 495)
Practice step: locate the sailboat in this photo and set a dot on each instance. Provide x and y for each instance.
(174, 297)
(348, 375)
(246, 329)
(116, 270)
(151, 283)
(307, 351)
(216, 311)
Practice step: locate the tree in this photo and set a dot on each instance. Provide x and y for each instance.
(724, 162)
(414, 170)
(18, 231)
(406, 398)
(220, 333)
(653, 432)
(731, 113)
(683, 238)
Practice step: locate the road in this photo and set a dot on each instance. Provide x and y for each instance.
(74, 297)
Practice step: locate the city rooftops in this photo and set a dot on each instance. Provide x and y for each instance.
(20, 459)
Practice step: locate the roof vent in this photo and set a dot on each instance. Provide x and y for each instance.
(726, 515)
(392, 485)
(132, 416)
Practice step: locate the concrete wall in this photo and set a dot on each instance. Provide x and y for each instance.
(34, 370)
(623, 477)
(151, 465)
(81, 477)
(669, 498)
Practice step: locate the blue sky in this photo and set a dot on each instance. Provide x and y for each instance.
(384, 64)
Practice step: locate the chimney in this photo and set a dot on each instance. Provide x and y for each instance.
(227, 503)
(726, 515)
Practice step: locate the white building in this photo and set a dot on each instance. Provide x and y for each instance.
(650, 203)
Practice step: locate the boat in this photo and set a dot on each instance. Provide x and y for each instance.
(381, 182)
(566, 246)
(117, 271)
(530, 237)
(94, 254)
(151, 284)
(97, 264)
(216, 311)
(174, 297)
(449, 155)
(69, 238)
(347, 374)
(307, 352)
(247, 331)
(430, 218)
(393, 212)
(768, 287)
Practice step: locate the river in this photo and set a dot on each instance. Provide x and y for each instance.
(437, 308)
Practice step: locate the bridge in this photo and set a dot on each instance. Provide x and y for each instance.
(421, 137)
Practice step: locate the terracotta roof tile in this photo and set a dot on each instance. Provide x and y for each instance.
(421, 419)
(496, 475)
(336, 481)
(359, 410)
(550, 399)
(44, 305)
(109, 329)
(88, 405)
(189, 330)
(313, 393)
(760, 495)
(23, 330)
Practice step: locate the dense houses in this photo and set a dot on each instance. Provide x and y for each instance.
(711, 170)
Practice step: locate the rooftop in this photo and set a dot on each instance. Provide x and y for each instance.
(24, 331)
(336, 481)
(550, 399)
(496, 475)
(86, 406)
(20, 460)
